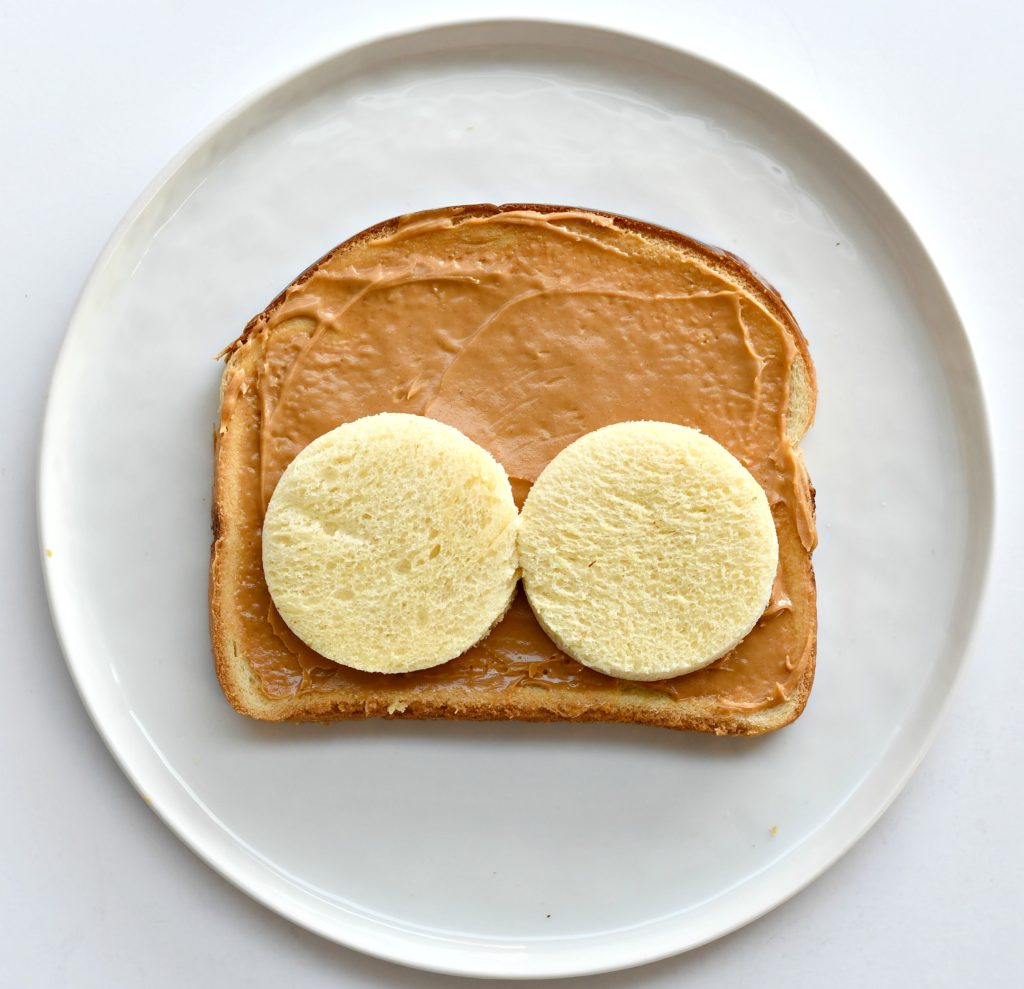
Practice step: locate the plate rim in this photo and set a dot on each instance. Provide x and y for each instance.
(400, 948)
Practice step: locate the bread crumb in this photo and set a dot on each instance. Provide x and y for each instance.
(690, 492)
(49, 552)
(347, 490)
(397, 707)
(775, 830)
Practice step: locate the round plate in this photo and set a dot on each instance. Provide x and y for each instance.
(515, 849)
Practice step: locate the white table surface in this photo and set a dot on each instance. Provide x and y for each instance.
(97, 97)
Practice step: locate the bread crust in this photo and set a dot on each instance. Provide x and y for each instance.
(527, 702)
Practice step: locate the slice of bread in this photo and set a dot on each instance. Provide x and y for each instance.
(648, 551)
(525, 327)
(390, 544)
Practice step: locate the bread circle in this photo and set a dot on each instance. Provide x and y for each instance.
(648, 550)
(389, 544)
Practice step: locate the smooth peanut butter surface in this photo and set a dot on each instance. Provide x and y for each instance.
(524, 330)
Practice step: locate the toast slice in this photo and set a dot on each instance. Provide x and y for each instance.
(526, 327)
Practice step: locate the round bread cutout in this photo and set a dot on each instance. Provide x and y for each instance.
(648, 550)
(389, 544)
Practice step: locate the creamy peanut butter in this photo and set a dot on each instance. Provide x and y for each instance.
(525, 330)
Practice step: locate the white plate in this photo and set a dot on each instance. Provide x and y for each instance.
(515, 849)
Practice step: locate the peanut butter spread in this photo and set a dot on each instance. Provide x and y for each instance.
(525, 330)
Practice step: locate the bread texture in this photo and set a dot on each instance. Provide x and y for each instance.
(246, 629)
(389, 544)
(648, 550)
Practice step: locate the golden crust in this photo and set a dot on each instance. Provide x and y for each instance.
(532, 703)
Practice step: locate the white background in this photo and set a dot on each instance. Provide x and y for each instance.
(97, 97)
